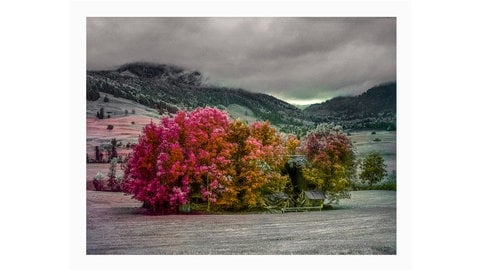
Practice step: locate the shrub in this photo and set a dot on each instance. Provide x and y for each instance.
(101, 113)
(92, 94)
(110, 127)
(105, 99)
(120, 179)
(113, 184)
(98, 185)
(387, 185)
(98, 181)
(99, 176)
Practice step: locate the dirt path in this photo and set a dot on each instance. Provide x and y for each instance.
(366, 224)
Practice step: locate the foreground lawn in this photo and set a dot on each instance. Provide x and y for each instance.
(366, 224)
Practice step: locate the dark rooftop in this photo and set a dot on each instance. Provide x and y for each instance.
(315, 195)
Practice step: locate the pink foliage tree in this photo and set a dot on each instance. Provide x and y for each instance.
(185, 154)
(141, 170)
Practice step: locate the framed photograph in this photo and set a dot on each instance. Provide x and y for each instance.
(275, 130)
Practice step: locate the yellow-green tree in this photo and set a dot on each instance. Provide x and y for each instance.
(331, 162)
(373, 169)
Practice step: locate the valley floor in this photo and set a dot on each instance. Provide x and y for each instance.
(366, 224)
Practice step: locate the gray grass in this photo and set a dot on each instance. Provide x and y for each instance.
(366, 224)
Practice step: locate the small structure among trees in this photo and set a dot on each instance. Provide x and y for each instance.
(314, 197)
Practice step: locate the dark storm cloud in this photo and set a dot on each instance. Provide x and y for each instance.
(296, 59)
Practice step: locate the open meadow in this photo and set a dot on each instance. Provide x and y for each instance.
(365, 224)
(384, 142)
(362, 140)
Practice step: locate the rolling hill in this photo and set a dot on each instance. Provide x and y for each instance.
(166, 89)
(374, 109)
(169, 88)
(137, 93)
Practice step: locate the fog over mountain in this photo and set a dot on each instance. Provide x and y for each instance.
(299, 60)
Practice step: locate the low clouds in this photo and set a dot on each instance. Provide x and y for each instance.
(301, 60)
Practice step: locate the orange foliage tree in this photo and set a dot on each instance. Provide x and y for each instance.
(258, 156)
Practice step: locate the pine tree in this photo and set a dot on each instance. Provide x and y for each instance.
(113, 153)
(98, 156)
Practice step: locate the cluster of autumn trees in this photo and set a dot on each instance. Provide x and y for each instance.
(204, 157)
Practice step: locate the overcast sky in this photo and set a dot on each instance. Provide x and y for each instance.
(300, 60)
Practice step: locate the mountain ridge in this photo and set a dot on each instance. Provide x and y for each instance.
(169, 88)
(374, 108)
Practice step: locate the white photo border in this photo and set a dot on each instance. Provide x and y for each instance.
(80, 10)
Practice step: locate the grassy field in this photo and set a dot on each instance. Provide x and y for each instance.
(94, 168)
(364, 142)
(365, 224)
(126, 127)
(116, 107)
